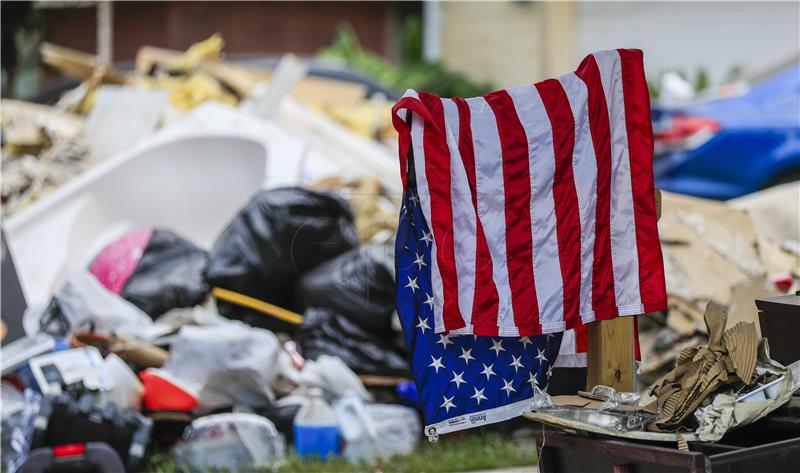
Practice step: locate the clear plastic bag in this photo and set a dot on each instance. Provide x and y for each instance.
(226, 364)
(230, 442)
(17, 428)
(541, 400)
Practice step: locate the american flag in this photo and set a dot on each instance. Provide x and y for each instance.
(539, 199)
(463, 381)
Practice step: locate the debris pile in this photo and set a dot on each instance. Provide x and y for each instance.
(42, 149)
(720, 252)
(208, 342)
(140, 336)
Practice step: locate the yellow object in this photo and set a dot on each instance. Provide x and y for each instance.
(258, 305)
(207, 50)
(185, 93)
(368, 118)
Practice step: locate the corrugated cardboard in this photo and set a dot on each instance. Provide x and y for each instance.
(729, 357)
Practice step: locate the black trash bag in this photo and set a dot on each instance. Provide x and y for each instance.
(325, 332)
(170, 271)
(358, 284)
(171, 274)
(280, 235)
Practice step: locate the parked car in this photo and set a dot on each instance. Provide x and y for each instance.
(728, 147)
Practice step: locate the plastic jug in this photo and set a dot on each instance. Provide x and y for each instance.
(316, 432)
(358, 430)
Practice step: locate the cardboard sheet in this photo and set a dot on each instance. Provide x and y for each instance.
(728, 358)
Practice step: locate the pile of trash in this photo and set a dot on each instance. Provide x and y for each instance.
(44, 147)
(727, 253)
(209, 275)
(221, 358)
(728, 382)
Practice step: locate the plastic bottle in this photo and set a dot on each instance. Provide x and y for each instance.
(358, 430)
(316, 432)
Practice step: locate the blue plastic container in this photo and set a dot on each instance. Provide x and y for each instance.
(316, 432)
(318, 441)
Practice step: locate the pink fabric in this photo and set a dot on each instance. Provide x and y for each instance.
(117, 261)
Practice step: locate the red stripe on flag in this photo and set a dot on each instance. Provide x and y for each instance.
(581, 338)
(517, 186)
(486, 302)
(640, 147)
(568, 225)
(437, 172)
(403, 127)
(603, 296)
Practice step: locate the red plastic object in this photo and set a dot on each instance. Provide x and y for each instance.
(782, 281)
(69, 450)
(162, 393)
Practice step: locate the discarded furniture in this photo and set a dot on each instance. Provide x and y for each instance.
(771, 444)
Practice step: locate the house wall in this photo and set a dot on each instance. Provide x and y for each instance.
(510, 43)
(248, 27)
(506, 43)
(716, 36)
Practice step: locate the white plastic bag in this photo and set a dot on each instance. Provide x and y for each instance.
(226, 364)
(330, 374)
(83, 301)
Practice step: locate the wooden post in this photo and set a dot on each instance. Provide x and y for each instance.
(609, 353)
(610, 347)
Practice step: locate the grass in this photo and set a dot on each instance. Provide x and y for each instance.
(473, 452)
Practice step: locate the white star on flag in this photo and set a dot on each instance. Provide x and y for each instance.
(436, 363)
(427, 238)
(448, 403)
(412, 283)
(444, 340)
(497, 346)
(549, 372)
(532, 380)
(420, 262)
(478, 396)
(526, 341)
(488, 371)
(549, 336)
(516, 362)
(429, 300)
(540, 356)
(458, 378)
(414, 198)
(507, 387)
(423, 324)
(466, 355)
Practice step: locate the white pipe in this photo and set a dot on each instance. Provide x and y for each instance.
(431, 30)
(105, 32)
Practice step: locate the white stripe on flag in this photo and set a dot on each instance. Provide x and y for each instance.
(417, 133)
(464, 225)
(584, 165)
(546, 262)
(624, 254)
(491, 204)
